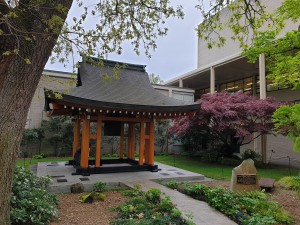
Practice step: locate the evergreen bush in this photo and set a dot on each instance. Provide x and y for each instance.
(31, 203)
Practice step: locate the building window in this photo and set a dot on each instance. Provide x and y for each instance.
(245, 85)
(271, 86)
(183, 96)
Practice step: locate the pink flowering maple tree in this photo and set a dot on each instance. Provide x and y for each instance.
(230, 118)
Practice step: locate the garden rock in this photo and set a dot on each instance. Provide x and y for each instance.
(93, 196)
(244, 177)
(77, 188)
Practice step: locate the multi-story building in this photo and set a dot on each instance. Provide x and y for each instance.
(225, 69)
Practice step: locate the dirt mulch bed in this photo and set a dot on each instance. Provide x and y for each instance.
(73, 212)
(289, 200)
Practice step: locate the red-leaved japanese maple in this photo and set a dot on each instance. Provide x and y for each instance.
(231, 118)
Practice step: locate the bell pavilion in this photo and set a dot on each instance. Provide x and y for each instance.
(119, 107)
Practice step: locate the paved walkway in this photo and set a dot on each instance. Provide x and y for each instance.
(62, 177)
(201, 212)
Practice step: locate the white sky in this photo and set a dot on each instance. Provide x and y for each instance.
(176, 53)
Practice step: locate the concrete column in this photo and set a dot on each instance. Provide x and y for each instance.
(170, 93)
(254, 87)
(263, 95)
(262, 77)
(212, 80)
(180, 83)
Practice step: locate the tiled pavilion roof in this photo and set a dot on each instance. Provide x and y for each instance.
(132, 91)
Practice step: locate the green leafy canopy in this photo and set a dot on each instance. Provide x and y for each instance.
(99, 27)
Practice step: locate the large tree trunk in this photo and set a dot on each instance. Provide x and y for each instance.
(18, 82)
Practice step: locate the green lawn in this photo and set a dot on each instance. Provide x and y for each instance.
(220, 172)
(27, 162)
(215, 171)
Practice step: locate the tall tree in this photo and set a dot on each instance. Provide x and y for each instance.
(287, 122)
(155, 79)
(31, 29)
(283, 55)
(230, 118)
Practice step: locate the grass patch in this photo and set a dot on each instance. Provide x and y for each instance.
(30, 161)
(27, 162)
(220, 172)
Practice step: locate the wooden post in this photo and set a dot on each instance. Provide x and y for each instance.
(129, 141)
(147, 144)
(76, 137)
(121, 153)
(151, 144)
(142, 144)
(133, 141)
(84, 161)
(99, 141)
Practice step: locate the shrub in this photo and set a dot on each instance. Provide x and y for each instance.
(40, 156)
(153, 195)
(31, 204)
(44, 155)
(173, 184)
(37, 156)
(147, 208)
(251, 154)
(99, 186)
(246, 208)
(292, 183)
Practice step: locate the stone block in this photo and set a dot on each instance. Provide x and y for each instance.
(244, 177)
(267, 184)
(77, 188)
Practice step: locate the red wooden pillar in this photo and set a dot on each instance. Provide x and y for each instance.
(121, 153)
(142, 144)
(151, 143)
(76, 137)
(99, 141)
(133, 141)
(129, 142)
(84, 161)
(147, 143)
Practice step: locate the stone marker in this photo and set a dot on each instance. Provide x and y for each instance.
(244, 177)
